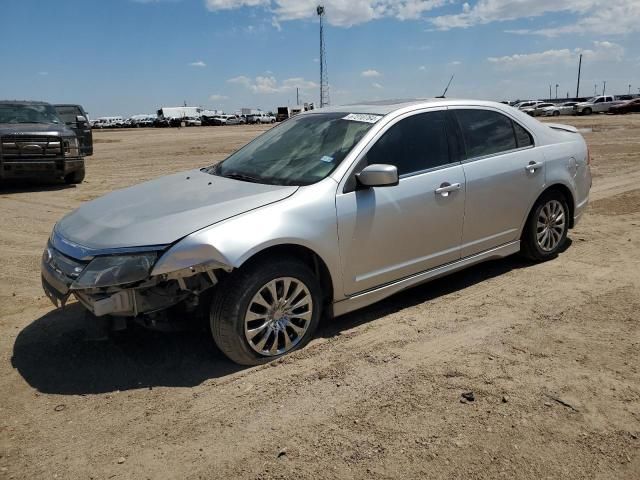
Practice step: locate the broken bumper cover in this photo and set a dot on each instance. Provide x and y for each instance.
(63, 276)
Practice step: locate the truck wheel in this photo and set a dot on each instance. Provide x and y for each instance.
(265, 310)
(546, 229)
(587, 111)
(74, 178)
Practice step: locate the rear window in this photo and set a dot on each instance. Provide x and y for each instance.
(486, 132)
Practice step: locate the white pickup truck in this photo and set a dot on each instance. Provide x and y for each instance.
(600, 104)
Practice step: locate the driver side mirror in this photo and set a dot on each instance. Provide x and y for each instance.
(81, 120)
(378, 175)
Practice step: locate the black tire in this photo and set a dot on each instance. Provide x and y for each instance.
(232, 299)
(75, 178)
(531, 248)
(556, 113)
(587, 111)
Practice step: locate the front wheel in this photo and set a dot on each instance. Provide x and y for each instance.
(556, 113)
(265, 310)
(546, 230)
(587, 111)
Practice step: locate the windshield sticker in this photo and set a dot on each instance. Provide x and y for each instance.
(326, 159)
(363, 117)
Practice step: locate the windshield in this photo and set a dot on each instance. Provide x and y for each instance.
(25, 113)
(300, 151)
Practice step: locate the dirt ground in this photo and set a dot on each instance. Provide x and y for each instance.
(550, 351)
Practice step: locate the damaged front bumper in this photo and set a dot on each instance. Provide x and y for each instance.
(152, 294)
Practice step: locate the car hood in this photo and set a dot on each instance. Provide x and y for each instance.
(164, 210)
(35, 129)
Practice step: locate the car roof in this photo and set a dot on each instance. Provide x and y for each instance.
(385, 107)
(24, 102)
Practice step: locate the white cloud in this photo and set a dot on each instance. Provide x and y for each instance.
(43, 74)
(376, 85)
(269, 84)
(454, 63)
(601, 52)
(217, 97)
(592, 16)
(371, 74)
(199, 64)
(422, 68)
(344, 13)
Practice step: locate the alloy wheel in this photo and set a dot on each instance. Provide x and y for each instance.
(278, 316)
(551, 225)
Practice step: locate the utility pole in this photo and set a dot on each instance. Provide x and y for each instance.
(549, 91)
(324, 78)
(629, 89)
(579, 71)
(557, 91)
(595, 89)
(297, 96)
(604, 86)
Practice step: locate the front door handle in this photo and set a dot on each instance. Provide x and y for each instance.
(533, 166)
(447, 188)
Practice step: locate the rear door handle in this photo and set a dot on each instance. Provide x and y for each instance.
(447, 188)
(533, 166)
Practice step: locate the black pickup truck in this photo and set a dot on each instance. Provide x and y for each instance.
(36, 143)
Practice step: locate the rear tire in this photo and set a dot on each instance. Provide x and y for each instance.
(545, 232)
(75, 178)
(556, 113)
(251, 326)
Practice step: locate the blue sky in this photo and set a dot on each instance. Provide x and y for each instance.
(122, 57)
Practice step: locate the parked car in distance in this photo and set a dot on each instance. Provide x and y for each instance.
(192, 122)
(75, 117)
(261, 118)
(36, 143)
(538, 109)
(599, 104)
(555, 110)
(527, 104)
(236, 120)
(329, 211)
(626, 107)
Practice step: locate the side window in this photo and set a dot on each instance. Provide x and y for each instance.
(486, 132)
(598, 100)
(414, 144)
(523, 138)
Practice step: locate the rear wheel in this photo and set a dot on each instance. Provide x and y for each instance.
(74, 178)
(546, 230)
(265, 310)
(556, 113)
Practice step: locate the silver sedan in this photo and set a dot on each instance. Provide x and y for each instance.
(328, 212)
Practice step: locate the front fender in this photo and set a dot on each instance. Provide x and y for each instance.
(307, 219)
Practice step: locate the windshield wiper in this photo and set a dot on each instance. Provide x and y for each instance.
(242, 177)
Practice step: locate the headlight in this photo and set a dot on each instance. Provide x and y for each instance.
(71, 147)
(115, 270)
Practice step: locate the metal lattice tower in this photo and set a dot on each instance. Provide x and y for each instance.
(324, 78)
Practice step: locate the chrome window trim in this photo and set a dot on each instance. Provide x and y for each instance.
(80, 252)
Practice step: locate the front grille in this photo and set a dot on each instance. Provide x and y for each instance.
(66, 266)
(30, 147)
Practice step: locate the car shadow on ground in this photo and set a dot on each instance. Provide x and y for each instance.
(31, 186)
(54, 356)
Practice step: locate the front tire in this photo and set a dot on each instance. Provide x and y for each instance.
(556, 113)
(545, 232)
(265, 310)
(587, 111)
